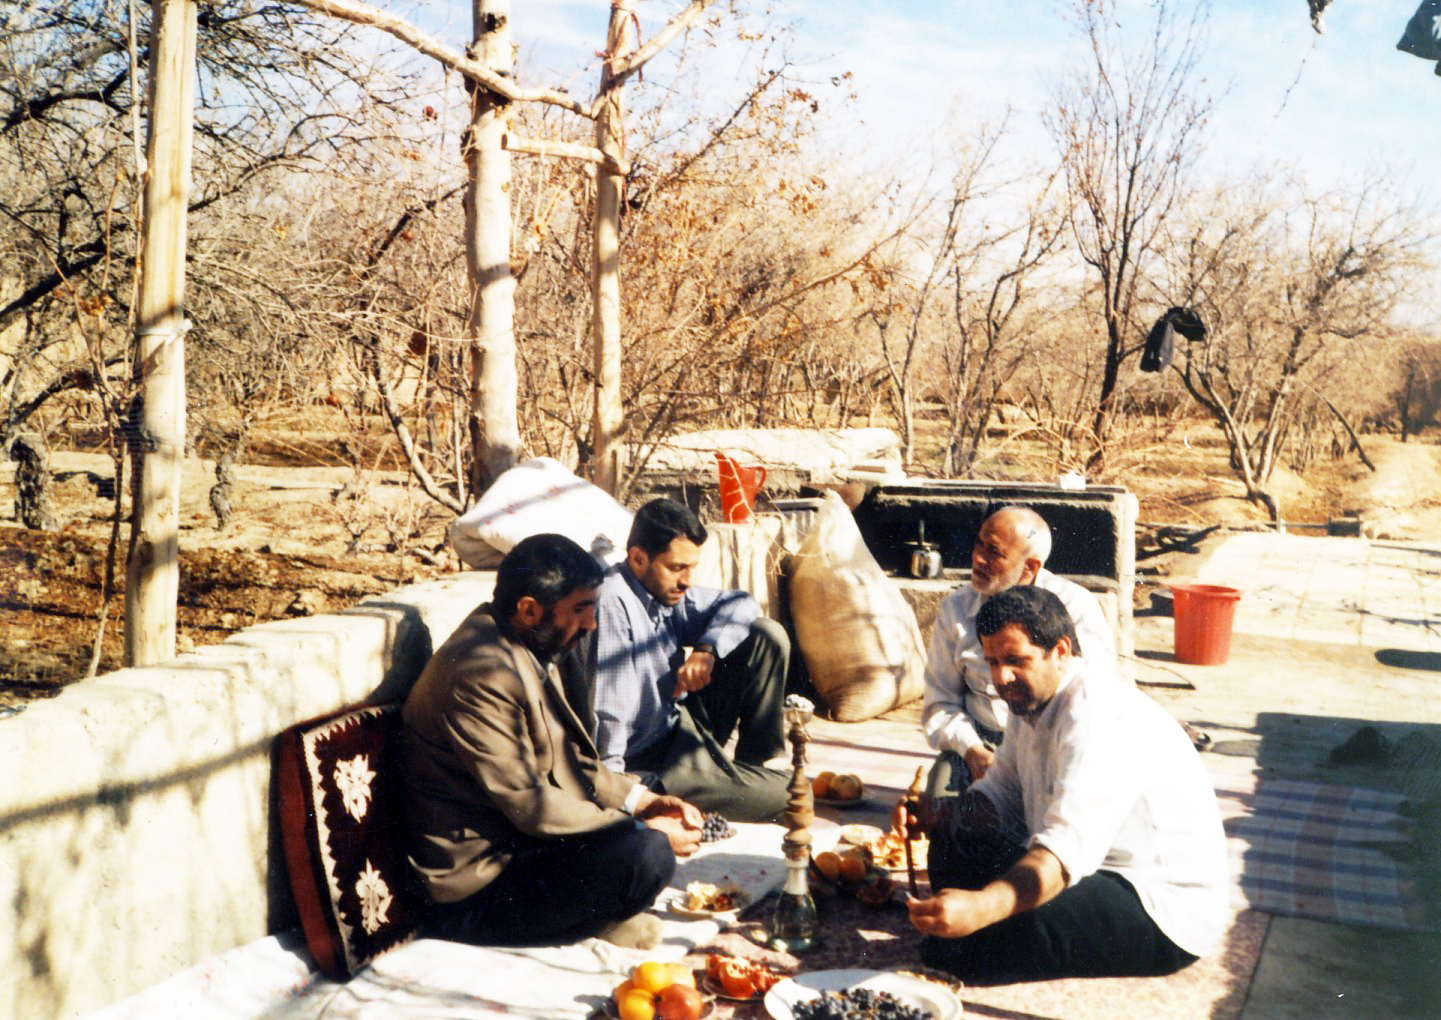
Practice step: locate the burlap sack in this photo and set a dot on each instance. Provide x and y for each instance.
(856, 630)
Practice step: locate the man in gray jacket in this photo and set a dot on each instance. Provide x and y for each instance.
(518, 833)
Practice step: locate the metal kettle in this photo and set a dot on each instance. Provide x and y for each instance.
(925, 557)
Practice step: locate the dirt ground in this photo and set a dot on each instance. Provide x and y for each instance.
(308, 540)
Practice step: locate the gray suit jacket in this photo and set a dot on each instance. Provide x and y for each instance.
(494, 757)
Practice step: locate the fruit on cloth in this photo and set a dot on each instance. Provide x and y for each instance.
(828, 863)
(635, 1004)
(821, 784)
(679, 1002)
(847, 787)
(651, 976)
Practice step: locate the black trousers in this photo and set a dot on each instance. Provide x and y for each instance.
(561, 890)
(744, 697)
(1096, 928)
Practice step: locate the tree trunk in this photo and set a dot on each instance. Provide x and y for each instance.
(605, 254)
(157, 440)
(494, 422)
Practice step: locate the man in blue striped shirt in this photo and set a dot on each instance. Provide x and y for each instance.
(667, 713)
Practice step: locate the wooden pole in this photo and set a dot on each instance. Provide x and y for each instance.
(157, 426)
(605, 255)
(494, 421)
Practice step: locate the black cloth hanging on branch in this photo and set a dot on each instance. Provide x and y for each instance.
(1422, 37)
(1160, 345)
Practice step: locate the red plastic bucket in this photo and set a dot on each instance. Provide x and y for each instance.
(1203, 614)
(738, 485)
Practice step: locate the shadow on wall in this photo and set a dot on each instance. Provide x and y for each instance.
(174, 853)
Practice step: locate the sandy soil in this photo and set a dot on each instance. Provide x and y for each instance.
(315, 539)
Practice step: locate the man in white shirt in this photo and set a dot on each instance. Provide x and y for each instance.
(962, 716)
(1093, 846)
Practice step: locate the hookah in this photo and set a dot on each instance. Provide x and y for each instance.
(794, 927)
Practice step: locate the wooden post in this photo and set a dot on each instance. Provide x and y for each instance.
(605, 255)
(494, 422)
(157, 425)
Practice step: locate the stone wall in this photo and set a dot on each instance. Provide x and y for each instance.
(137, 820)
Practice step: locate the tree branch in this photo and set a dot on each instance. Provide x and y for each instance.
(361, 13)
(566, 150)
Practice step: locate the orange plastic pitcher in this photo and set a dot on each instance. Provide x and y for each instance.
(738, 486)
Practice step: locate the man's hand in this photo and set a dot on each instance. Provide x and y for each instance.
(1037, 878)
(655, 805)
(978, 759)
(684, 839)
(951, 913)
(915, 817)
(695, 672)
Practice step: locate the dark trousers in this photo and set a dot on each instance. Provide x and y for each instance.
(563, 889)
(950, 775)
(744, 697)
(1096, 928)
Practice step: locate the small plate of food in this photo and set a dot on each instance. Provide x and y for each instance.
(908, 996)
(705, 899)
(861, 835)
(889, 851)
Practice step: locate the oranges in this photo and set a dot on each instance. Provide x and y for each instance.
(680, 974)
(828, 863)
(852, 868)
(821, 784)
(635, 1004)
(658, 991)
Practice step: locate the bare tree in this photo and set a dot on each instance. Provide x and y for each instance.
(1292, 288)
(1129, 130)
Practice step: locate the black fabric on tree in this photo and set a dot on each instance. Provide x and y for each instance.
(1160, 345)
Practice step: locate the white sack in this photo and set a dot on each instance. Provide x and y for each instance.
(538, 497)
(856, 630)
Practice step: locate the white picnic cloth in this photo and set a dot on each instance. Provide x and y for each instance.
(274, 978)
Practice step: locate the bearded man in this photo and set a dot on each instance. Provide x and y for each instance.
(519, 834)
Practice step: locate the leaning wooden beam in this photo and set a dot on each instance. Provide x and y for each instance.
(365, 14)
(566, 150)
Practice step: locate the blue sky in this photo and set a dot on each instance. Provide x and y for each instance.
(1332, 109)
(1360, 105)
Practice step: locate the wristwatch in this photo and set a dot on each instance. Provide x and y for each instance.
(707, 647)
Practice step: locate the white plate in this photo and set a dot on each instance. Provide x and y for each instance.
(844, 805)
(860, 835)
(913, 991)
(676, 905)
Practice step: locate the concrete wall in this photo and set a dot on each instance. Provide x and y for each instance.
(137, 822)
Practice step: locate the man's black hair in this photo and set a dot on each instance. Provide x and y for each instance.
(659, 522)
(545, 567)
(1038, 612)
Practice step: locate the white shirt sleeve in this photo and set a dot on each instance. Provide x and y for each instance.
(944, 719)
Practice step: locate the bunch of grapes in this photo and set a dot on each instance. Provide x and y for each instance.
(857, 1004)
(715, 827)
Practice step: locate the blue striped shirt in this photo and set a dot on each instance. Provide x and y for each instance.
(639, 644)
